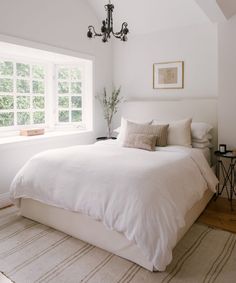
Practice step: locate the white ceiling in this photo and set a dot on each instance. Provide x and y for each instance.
(152, 15)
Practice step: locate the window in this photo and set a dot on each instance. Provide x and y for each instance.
(69, 94)
(49, 90)
(22, 94)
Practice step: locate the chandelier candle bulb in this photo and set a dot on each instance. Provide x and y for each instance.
(107, 27)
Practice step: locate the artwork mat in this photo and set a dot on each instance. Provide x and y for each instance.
(165, 65)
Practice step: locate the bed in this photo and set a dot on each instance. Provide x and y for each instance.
(124, 200)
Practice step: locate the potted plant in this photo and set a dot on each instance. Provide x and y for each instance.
(109, 104)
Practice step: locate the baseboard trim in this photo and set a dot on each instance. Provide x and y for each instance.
(5, 200)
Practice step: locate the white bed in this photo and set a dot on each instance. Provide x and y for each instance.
(130, 199)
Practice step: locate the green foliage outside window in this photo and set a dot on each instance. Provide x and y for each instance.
(63, 74)
(6, 68)
(38, 87)
(63, 87)
(76, 115)
(6, 85)
(64, 116)
(6, 102)
(76, 101)
(63, 101)
(23, 102)
(38, 102)
(76, 87)
(75, 74)
(38, 72)
(22, 70)
(23, 118)
(22, 86)
(39, 117)
(6, 119)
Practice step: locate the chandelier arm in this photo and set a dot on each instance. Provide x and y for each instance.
(124, 25)
(95, 33)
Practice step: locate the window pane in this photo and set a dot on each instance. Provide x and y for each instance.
(22, 70)
(23, 118)
(75, 87)
(39, 117)
(6, 119)
(63, 73)
(75, 74)
(6, 102)
(6, 85)
(23, 86)
(38, 87)
(63, 102)
(6, 68)
(38, 72)
(63, 87)
(23, 102)
(63, 116)
(76, 101)
(38, 102)
(76, 115)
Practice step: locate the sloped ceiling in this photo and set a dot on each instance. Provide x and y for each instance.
(152, 15)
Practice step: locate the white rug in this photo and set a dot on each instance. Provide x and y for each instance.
(31, 252)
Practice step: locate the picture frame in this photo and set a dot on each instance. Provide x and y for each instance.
(168, 75)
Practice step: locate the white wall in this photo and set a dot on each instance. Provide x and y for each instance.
(61, 24)
(195, 45)
(227, 83)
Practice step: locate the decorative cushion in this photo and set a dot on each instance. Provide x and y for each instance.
(179, 132)
(160, 131)
(141, 141)
(122, 129)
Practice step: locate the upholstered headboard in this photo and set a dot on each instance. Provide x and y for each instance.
(200, 110)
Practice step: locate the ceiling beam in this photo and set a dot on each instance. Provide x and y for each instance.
(227, 7)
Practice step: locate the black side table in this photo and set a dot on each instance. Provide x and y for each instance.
(105, 138)
(227, 174)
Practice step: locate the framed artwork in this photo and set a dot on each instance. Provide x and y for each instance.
(168, 75)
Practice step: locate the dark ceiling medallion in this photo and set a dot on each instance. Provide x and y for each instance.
(107, 27)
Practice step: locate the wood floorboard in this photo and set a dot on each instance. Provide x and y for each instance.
(218, 214)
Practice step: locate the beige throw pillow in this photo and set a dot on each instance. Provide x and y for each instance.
(179, 132)
(123, 126)
(159, 131)
(147, 142)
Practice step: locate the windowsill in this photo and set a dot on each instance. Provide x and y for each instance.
(51, 134)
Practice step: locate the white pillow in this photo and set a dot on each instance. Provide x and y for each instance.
(200, 130)
(122, 131)
(179, 132)
(202, 144)
(207, 138)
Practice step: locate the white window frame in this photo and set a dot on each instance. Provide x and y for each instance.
(81, 124)
(51, 97)
(23, 60)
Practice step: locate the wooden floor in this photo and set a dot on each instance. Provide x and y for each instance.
(218, 214)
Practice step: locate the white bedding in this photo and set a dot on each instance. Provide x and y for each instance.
(144, 195)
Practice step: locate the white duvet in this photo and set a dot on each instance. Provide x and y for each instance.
(144, 195)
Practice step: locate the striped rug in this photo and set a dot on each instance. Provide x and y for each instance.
(31, 252)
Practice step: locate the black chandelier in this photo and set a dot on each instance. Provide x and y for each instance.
(107, 27)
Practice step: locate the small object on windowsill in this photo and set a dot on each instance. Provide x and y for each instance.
(31, 132)
(105, 138)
